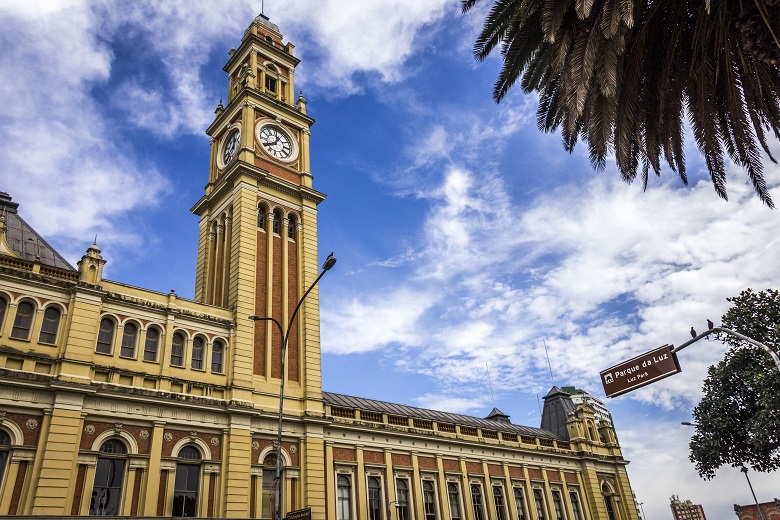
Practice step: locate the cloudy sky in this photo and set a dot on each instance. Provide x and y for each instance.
(466, 238)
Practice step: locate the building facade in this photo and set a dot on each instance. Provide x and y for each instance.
(579, 396)
(685, 509)
(117, 400)
(769, 510)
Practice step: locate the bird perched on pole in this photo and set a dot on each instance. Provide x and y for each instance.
(710, 324)
(693, 333)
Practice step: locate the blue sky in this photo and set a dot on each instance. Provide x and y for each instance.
(465, 237)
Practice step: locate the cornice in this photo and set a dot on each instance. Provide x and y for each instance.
(246, 43)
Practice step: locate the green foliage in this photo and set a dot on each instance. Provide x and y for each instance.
(738, 420)
(622, 74)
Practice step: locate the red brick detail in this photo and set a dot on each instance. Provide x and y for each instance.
(286, 446)
(252, 491)
(450, 465)
(87, 439)
(293, 350)
(426, 462)
(571, 478)
(344, 454)
(373, 457)
(495, 469)
(553, 476)
(162, 492)
(276, 305)
(78, 491)
(17, 493)
(278, 171)
(177, 435)
(401, 460)
(212, 491)
(294, 459)
(516, 472)
(30, 434)
(136, 492)
(260, 300)
(474, 467)
(535, 473)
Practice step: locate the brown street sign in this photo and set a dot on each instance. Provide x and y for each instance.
(301, 514)
(640, 371)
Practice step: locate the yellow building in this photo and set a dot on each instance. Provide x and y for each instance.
(117, 400)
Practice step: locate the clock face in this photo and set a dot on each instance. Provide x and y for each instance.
(231, 146)
(276, 142)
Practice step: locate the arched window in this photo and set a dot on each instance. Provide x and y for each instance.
(575, 505)
(498, 501)
(261, 218)
(105, 336)
(520, 504)
(129, 339)
(5, 447)
(291, 229)
(217, 356)
(344, 498)
(558, 505)
(267, 494)
(454, 499)
(374, 499)
(539, 503)
(476, 502)
(3, 308)
(50, 325)
(23, 321)
(609, 502)
(185, 487)
(197, 353)
(402, 499)
(109, 476)
(177, 350)
(429, 500)
(277, 222)
(152, 344)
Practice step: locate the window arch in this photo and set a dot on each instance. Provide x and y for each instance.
(109, 479)
(453, 497)
(344, 498)
(50, 325)
(217, 357)
(609, 501)
(185, 489)
(520, 504)
(476, 502)
(23, 320)
(198, 346)
(374, 499)
(402, 498)
(261, 217)
(539, 503)
(129, 340)
(498, 502)
(575, 505)
(105, 336)
(3, 310)
(177, 349)
(152, 344)
(269, 479)
(5, 449)
(429, 500)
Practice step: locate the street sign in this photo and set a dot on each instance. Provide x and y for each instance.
(640, 371)
(301, 514)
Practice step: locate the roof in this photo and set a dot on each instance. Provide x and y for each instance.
(557, 407)
(372, 405)
(25, 241)
(266, 22)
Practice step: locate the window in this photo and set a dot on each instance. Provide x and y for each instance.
(374, 499)
(3, 307)
(152, 342)
(402, 499)
(109, 477)
(217, 353)
(51, 322)
(105, 336)
(454, 500)
(185, 487)
(520, 504)
(343, 498)
(177, 350)
(609, 502)
(267, 493)
(539, 503)
(129, 337)
(291, 229)
(23, 321)
(558, 505)
(429, 500)
(270, 84)
(275, 226)
(498, 501)
(197, 353)
(261, 218)
(575, 505)
(5, 446)
(476, 502)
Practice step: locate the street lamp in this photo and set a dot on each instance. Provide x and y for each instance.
(329, 262)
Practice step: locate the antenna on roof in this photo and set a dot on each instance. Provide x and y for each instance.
(490, 384)
(548, 362)
(262, 6)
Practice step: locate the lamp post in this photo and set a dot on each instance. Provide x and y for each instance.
(769, 351)
(329, 262)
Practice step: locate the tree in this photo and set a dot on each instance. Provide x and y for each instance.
(622, 74)
(738, 420)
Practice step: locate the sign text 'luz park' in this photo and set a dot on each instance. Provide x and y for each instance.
(640, 371)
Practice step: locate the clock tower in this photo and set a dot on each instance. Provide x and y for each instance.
(257, 248)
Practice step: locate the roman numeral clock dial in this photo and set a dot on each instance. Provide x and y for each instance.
(275, 142)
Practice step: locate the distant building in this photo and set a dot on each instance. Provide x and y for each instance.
(771, 511)
(579, 397)
(686, 510)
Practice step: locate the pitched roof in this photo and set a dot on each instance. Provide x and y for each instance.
(372, 405)
(557, 407)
